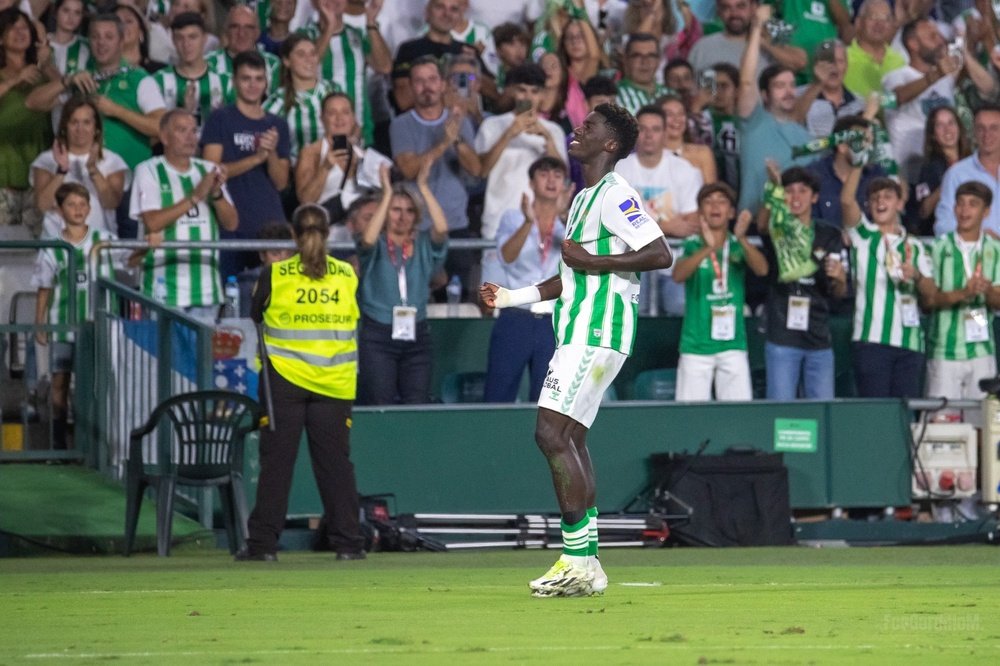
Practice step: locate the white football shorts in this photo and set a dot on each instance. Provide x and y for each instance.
(577, 378)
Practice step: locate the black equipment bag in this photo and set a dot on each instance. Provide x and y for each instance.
(736, 499)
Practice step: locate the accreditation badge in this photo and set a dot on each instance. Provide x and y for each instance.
(723, 322)
(798, 313)
(909, 311)
(404, 323)
(976, 325)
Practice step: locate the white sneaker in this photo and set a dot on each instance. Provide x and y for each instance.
(600, 578)
(564, 579)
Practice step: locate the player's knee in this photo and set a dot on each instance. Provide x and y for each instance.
(550, 440)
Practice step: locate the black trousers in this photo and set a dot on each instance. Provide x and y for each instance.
(393, 371)
(326, 422)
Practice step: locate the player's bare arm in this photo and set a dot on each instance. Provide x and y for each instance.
(653, 256)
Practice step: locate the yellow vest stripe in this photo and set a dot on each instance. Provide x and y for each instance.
(314, 359)
(297, 334)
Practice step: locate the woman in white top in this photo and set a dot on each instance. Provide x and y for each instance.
(335, 170)
(77, 156)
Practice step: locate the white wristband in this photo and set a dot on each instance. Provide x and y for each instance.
(511, 298)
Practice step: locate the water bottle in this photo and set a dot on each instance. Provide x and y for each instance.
(231, 298)
(160, 290)
(454, 291)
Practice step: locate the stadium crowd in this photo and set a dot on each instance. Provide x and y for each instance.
(839, 133)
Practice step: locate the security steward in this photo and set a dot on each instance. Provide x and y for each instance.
(310, 315)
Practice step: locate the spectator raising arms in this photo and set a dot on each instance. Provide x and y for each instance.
(77, 156)
(342, 50)
(397, 263)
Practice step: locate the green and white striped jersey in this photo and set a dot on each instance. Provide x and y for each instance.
(634, 98)
(600, 309)
(305, 117)
(344, 64)
(52, 271)
(222, 63)
(878, 303)
(954, 263)
(71, 58)
(189, 277)
(214, 90)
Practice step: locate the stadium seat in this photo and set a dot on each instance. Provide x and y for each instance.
(192, 439)
(658, 384)
(462, 387)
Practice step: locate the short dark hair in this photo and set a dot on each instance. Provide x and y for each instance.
(639, 38)
(546, 163)
(425, 60)
(66, 190)
(8, 19)
(622, 125)
(908, 30)
(845, 123)
(991, 107)
(510, 32)
(599, 85)
(797, 174)
(526, 74)
(976, 189)
(275, 231)
(770, 73)
(186, 20)
(677, 63)
(251, 59)
(883, 183)
(716, 188)
(108, 17)
(651, 110)
(728, 69)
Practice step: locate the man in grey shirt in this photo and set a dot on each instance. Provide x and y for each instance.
(728, 45)
(430, 132)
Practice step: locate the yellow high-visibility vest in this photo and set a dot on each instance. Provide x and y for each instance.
(310, 327)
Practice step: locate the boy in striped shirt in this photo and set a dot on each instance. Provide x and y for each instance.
(55, 284)
(892, 272)
(609, 239)
(191, 84)
(964, 295)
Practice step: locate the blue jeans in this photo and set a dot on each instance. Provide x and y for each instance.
(519, 339)
(787, 367)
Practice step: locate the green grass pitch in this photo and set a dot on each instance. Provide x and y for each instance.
(927, 605)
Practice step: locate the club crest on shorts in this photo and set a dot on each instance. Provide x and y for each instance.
(633, 212)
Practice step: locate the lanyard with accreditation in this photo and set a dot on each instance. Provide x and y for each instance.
(404, 316)
(975, 322)
(723, 316)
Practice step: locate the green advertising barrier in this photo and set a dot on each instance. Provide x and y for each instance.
(483, 458)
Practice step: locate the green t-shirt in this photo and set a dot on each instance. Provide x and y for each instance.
(714, 285)
(813, 24)
(954, 262)
(122, 88)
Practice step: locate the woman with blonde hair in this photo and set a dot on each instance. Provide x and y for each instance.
(397, 263)
(308, 312)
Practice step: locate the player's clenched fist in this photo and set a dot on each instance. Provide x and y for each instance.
(488, 294)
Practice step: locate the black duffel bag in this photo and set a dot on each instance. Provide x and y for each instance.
(739, 498)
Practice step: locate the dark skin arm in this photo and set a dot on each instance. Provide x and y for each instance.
(653, 256)
(549, 289)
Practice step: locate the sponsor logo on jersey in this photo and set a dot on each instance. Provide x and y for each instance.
(633, 212)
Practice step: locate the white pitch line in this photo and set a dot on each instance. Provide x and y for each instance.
(509, 649)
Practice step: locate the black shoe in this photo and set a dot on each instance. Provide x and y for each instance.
(245, 555)
(352, 555)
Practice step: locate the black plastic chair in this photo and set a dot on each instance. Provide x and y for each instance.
(201, 445)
